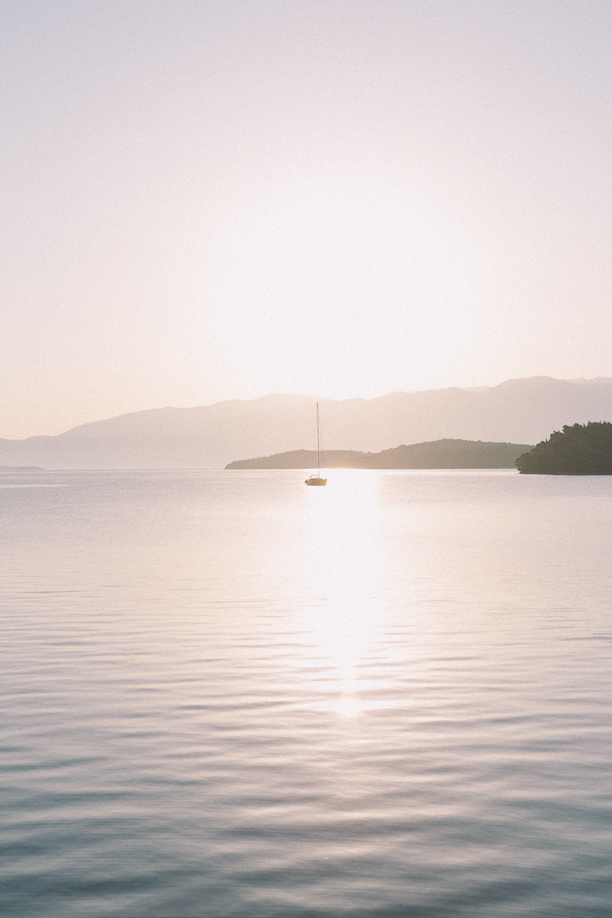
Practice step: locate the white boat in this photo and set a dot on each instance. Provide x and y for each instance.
(316, 479)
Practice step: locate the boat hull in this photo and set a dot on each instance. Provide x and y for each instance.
(316, 481)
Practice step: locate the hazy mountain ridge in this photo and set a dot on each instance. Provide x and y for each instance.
(517, 411)
(438, 454)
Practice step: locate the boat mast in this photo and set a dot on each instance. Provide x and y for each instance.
(318, 448)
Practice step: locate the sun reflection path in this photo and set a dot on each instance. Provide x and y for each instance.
(342, 581)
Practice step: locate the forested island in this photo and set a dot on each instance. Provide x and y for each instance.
(437, 454)
(579, 449)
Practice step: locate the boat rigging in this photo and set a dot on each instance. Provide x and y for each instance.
(316, 479)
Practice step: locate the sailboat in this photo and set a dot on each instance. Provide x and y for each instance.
(316, 479)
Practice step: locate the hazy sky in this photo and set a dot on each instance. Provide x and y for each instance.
(204, 200)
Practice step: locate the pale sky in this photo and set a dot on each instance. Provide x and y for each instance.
(213, 199)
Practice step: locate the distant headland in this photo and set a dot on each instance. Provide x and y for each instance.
(579, 449)
(211, 436)
(437, 454)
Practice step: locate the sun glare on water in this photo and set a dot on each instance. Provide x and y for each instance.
(342, 579)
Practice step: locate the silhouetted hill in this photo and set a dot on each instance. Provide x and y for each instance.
(517, 411)
(582, 449)
(439, 454)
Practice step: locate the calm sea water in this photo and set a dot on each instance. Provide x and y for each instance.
(227, 694)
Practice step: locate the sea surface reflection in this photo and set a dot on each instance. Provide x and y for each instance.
(341, 586)
(227, 694)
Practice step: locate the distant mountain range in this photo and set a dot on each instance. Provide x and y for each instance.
(518, 411)
(439, 454)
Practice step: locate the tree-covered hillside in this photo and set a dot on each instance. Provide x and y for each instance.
(437, 454)
(580, 449)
